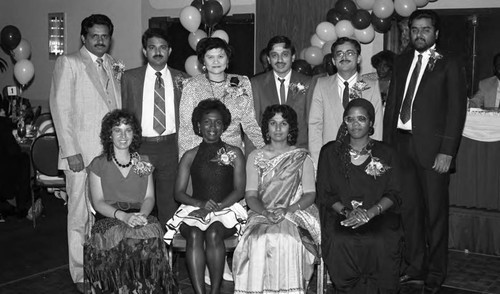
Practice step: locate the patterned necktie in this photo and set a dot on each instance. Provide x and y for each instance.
(406, 108)
(282, 91)
(159, 112)
(103, 75)
(345, 95)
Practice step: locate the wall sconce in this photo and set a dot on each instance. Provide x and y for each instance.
(57, 44)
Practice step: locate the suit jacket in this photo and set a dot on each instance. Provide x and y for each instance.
(265, 94)
(78, 102)
(439, 107)
(133, 86)
(326, 113)
(486, 96)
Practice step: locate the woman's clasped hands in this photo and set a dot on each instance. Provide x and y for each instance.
(135, 219)
(206, 207)
(356, 218)
(276, 215)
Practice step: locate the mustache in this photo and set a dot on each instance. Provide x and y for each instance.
(158, 56)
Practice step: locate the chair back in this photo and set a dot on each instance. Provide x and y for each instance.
(43, 124)
(45, 154)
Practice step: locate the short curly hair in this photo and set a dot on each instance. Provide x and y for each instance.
(288, 114)
(207, 44)
(206, 106)
(113, 119)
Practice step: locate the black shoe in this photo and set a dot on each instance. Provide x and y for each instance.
(430, 290)
(407, 279)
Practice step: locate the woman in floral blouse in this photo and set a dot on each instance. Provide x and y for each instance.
(358, 196)
(233, 90)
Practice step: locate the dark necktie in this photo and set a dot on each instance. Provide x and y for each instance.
(282, 91)
(345, 95)
(103, 75)
(406, 108)
(159, 112)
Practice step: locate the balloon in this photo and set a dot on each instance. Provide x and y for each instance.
(365, 4)
(381, 25)
(226, 5)
(199, 6)
(361, 19)
(383, 8)
(316, 41)
(213, 13)
(195, 37)
(190, 18)
(344, 28)
(346, 7)
(326, 31)
(192, 66)
(10, 37)
(366, 35)
(302, 54)
(221, 34)
(333, 16)
(313, 55)
(22, 51)
(327, 48)
(421, 3)
(24, 71)
(404, 7)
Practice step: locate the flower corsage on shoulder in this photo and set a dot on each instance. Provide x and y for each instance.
(141, 167)
(376, 167)
(435, 56)
(357, 90)
(235, 88)
(118, 69)
(180, 82)
(225, 156)
(298, 88)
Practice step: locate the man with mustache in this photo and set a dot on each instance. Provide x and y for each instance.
(153, 92)
(283, 85)
(84, 88)
(424, 118)
(332, 93)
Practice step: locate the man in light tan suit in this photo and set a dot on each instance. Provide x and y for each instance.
(84, 88)
(327, 106)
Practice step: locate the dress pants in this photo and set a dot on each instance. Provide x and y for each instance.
(164, 157)
(77, 219)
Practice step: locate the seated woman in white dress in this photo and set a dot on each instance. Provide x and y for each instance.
(277, 250)
(211, 214)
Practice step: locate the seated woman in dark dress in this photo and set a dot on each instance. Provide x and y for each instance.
(358, 194)
(211, 213)
(125, 252)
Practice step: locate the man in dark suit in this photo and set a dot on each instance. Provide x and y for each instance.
(153, 93)
(424, 118)
(283, 85)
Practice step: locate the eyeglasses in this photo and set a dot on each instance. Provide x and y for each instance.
(360, 119)
(348, 53)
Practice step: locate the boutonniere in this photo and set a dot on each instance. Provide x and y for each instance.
(118, 69)
(357, 89)
(376, 167)
(141, 167)
(298, 88)
(435, 56)
(179, 82)
(224, 157)
(235, 88)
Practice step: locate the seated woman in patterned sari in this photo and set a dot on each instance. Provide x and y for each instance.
(277, 251)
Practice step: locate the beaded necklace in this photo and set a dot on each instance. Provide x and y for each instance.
(356, 154)
(210, 82)
(122, 165)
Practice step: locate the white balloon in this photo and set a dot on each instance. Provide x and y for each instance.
(344, 28)
(192, 66)
(366, 35)
(316, 41)
(221, 34)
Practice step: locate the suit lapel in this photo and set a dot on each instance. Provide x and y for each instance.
(334, 101)
(138, 91)
(290, 96)
(175, 74)
(114, 81)
(405, 66)
(270, 86)
(91, 70)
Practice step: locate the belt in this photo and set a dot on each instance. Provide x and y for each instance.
(405, 132)
(158, 138)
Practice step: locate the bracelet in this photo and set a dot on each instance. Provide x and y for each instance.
(344, 211)
(298, 205)
(114, 214)
(379, 208)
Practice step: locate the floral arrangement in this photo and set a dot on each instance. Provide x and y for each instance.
(376, 167)
(298, 88)
(118, 69)
(180, 82)
(141, 167)
(235, 88)
(357, 89)
(435, 56)
(225, 157)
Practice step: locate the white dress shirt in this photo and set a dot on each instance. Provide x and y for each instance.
(286, 84)
(352, 80)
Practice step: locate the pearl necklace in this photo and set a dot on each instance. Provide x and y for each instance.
(122, 165)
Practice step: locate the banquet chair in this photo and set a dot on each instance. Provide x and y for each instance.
(44, 158)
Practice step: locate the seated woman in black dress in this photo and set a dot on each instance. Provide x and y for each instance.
(211, 214)
(125, 252)
(358, 194)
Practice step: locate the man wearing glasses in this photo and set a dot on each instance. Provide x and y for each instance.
(332, 93)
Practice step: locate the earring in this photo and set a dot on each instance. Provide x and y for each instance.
(204, 68)
(268, 138)
(289, 137)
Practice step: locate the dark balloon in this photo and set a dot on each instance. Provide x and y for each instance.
(361, 19)
(381, 25)
(318, 69)
(334, 16)
(212, 12)
(302, 66)
(346, 7)
(10, 37)
(198, 5)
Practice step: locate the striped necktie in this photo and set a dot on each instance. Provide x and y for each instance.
(103, 75)
(282, 91)
(159, 100)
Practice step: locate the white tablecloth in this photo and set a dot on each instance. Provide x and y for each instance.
(482, 125)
